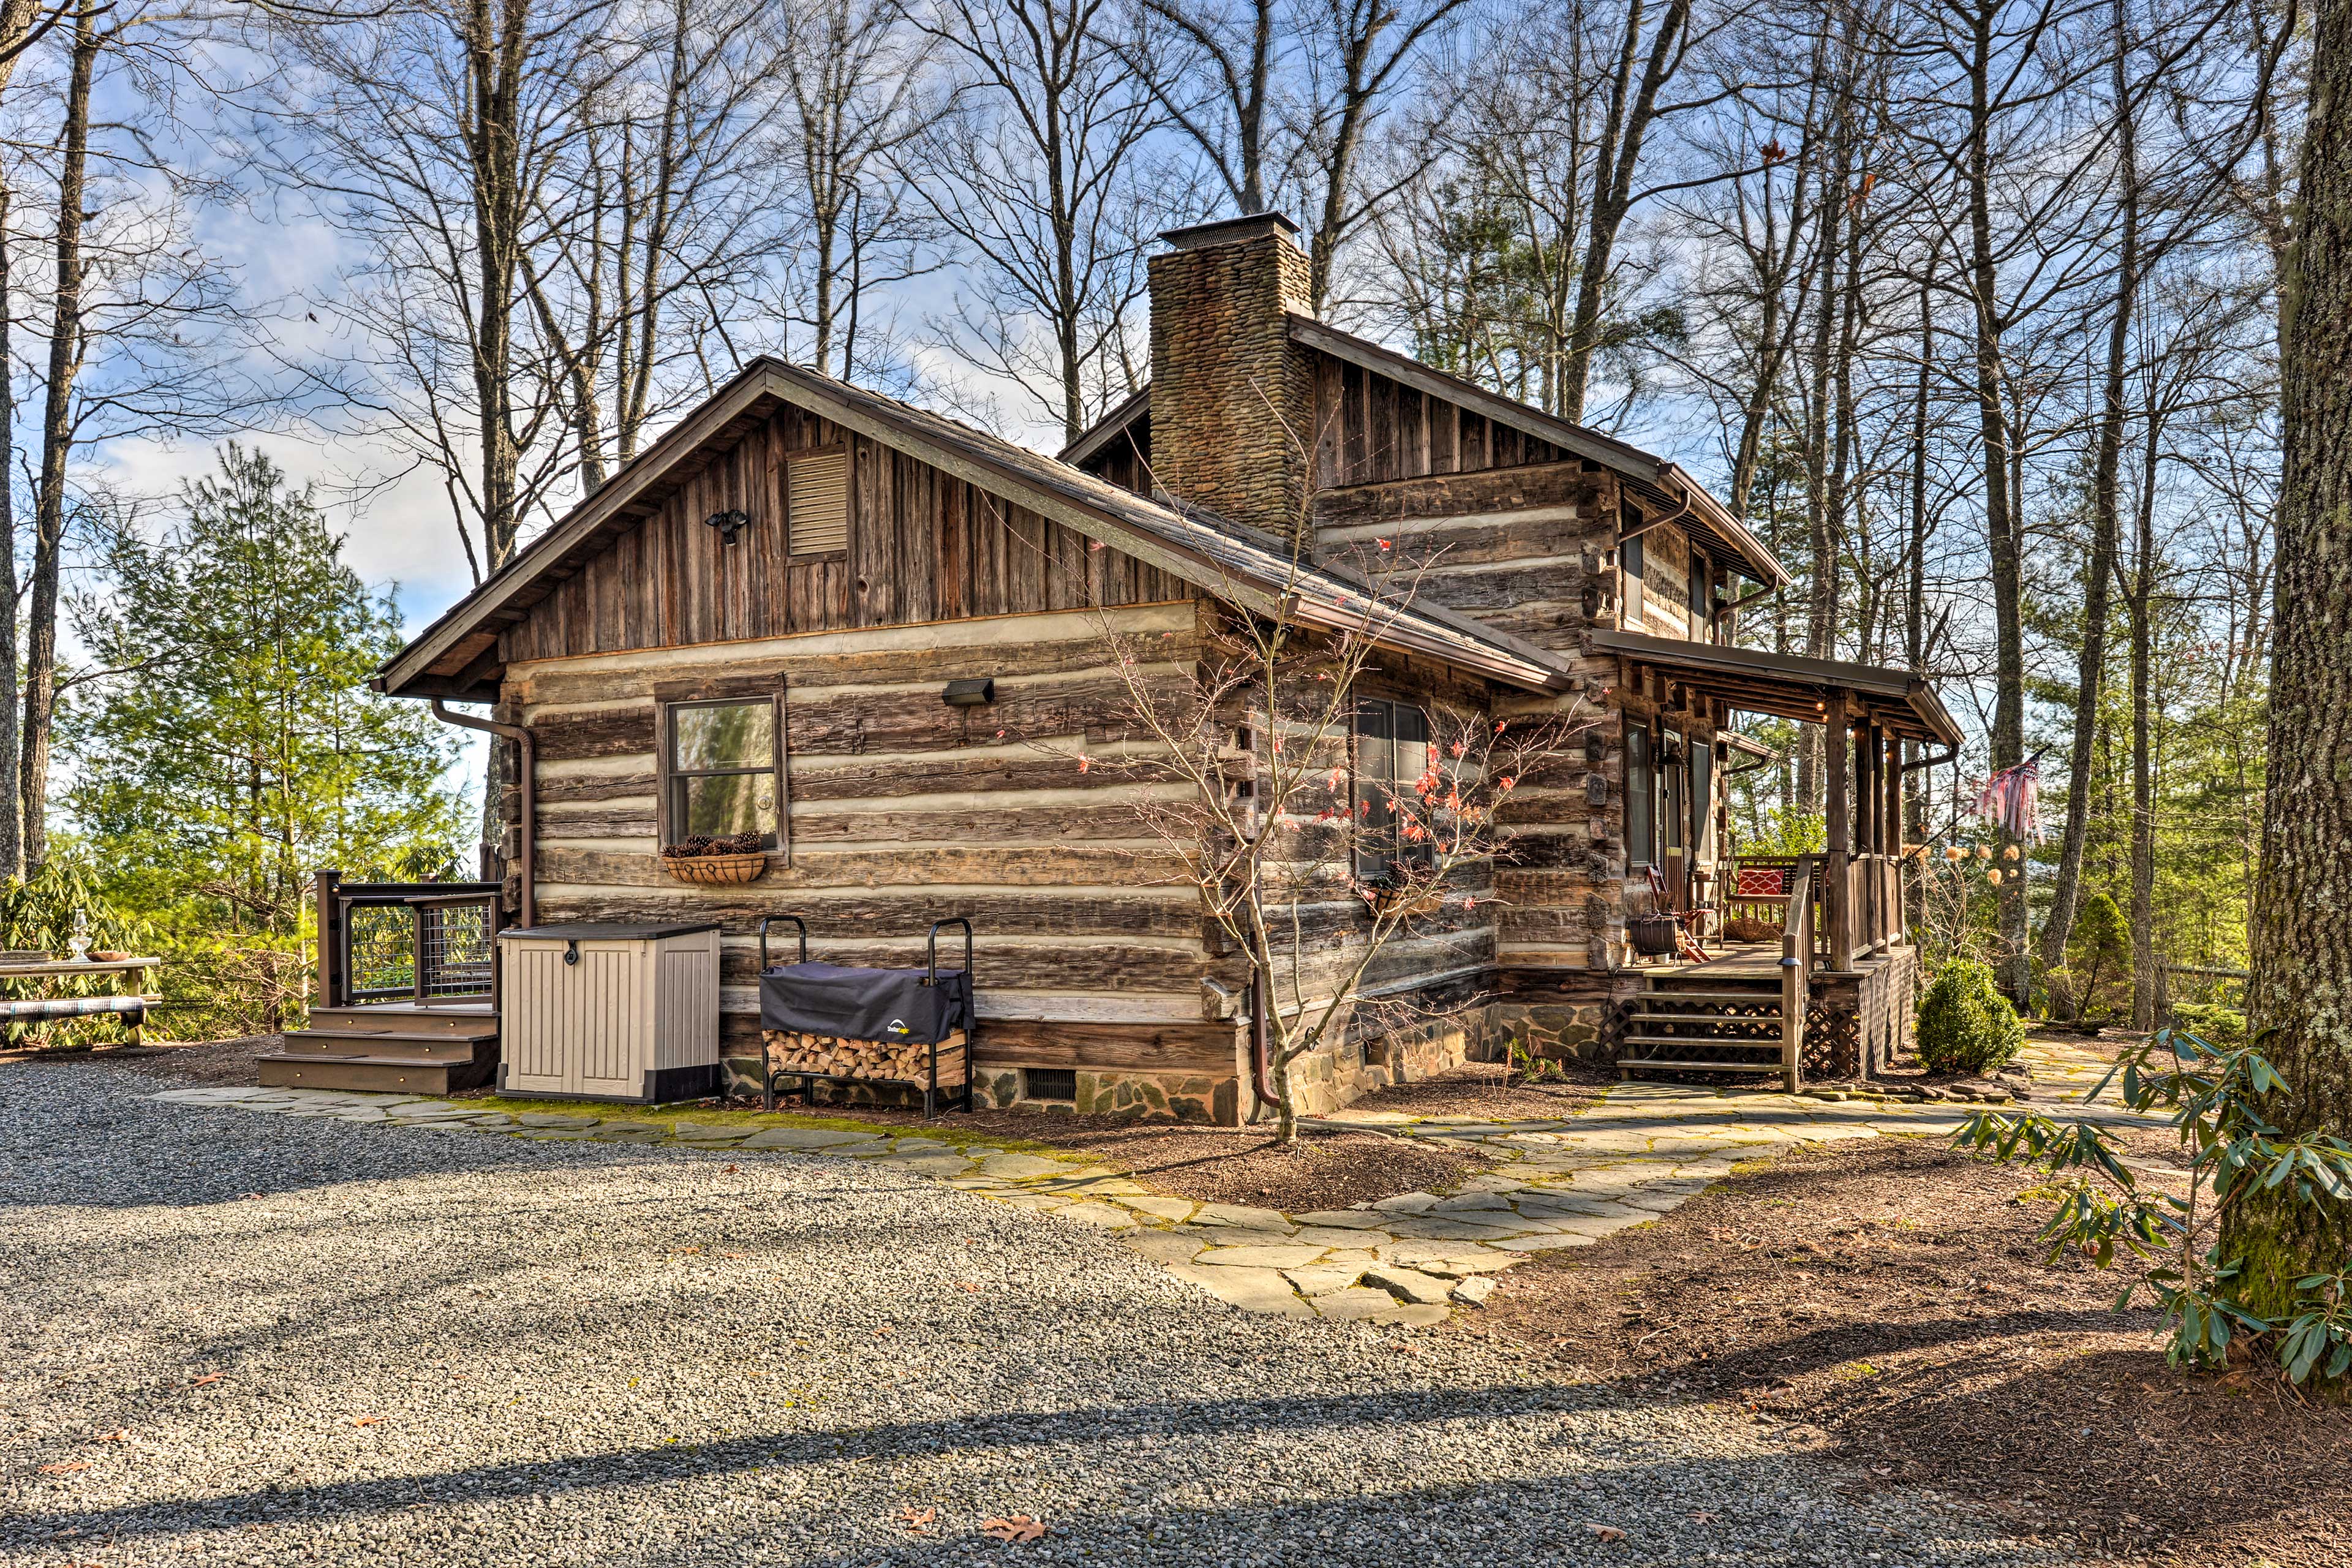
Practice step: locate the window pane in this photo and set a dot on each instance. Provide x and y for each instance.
(1670, 809)
(1703, 798)
(724, 735)
(1412, 744)
(728, 802)
(1640, 785)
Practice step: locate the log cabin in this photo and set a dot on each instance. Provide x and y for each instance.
(755, 626)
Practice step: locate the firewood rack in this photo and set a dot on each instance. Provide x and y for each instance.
(952, 1010)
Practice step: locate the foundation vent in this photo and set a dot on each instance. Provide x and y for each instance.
(1049, 1083)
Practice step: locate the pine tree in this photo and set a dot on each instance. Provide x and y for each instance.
(239, 749)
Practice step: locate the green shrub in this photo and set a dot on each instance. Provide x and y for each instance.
(2099, 958)
(2215, 1023)
(1965, 1024)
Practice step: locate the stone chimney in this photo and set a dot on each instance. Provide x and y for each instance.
(1232, 399)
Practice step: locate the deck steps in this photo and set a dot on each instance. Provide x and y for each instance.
(1705, 1024)
(399, 1047)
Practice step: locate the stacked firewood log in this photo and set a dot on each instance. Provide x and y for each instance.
(909, 1062)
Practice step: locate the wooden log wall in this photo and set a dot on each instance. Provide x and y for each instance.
(1523, 549)
(1323, 925)
(902, 811)
(923, 546)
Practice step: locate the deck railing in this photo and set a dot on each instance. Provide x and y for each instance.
(1857, 903)
(421, 942)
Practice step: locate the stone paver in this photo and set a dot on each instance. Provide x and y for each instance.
(1641, 1151)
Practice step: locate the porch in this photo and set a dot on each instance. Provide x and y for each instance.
(1833, 995)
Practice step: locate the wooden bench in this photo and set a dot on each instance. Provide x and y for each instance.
(48, 1009)
(130, 1006)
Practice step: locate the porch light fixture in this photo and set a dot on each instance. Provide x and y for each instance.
(971, 693)
(730, 523)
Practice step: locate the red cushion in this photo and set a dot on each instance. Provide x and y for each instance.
(1761, 882)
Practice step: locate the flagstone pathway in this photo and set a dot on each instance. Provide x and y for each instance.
(1641, 1151)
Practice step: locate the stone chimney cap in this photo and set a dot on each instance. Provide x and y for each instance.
(1232, 231)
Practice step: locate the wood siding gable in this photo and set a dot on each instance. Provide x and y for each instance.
(923, 546)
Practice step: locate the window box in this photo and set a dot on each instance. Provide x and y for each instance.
(715, 870)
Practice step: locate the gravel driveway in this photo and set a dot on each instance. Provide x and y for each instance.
(240, 1338)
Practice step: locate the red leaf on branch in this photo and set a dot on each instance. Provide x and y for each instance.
(1085, 763)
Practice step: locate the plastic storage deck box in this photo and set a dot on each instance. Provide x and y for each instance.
(609, 1012)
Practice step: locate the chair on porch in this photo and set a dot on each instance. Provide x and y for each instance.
(1756, 895)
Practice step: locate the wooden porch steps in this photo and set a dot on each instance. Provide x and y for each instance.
(1693, 1021)
(393, 1047)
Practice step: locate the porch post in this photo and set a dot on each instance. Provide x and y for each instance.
(1894, 809)
(1837, 899)
(331, 939)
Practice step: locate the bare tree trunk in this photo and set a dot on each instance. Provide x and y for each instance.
(1915, 598)
(2140, 602)
(65, 359)
(2004, 545)
(16, 22)
(2299, 1001)
(2098, 570)
(1632, 107)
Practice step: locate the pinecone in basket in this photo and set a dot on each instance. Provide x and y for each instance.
(697, 845)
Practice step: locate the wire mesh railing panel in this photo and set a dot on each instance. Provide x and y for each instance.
(381, 955)
(457, 948)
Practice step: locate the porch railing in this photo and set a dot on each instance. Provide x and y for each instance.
(1857, 903)
(421, 942)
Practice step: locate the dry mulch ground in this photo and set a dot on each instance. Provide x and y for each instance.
(1887, 1298)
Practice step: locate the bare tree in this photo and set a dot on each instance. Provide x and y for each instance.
(859, 96)
(138, 326)
(653, 225)
(1246, 739)
(1039, 174)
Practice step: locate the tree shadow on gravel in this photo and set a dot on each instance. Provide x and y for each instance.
(1625, 1480)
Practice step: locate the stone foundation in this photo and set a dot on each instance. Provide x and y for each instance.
(1859, 1021)
(1555, 1031)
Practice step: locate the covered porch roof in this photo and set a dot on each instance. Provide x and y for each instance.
(1789, 687)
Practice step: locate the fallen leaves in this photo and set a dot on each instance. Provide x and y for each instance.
(915, 1520)
(207, 1380)
(1020, 1527)
(968, 1285)
(118, 1435)
(367, 1420)
(1605, 1532)
(64, 1466)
